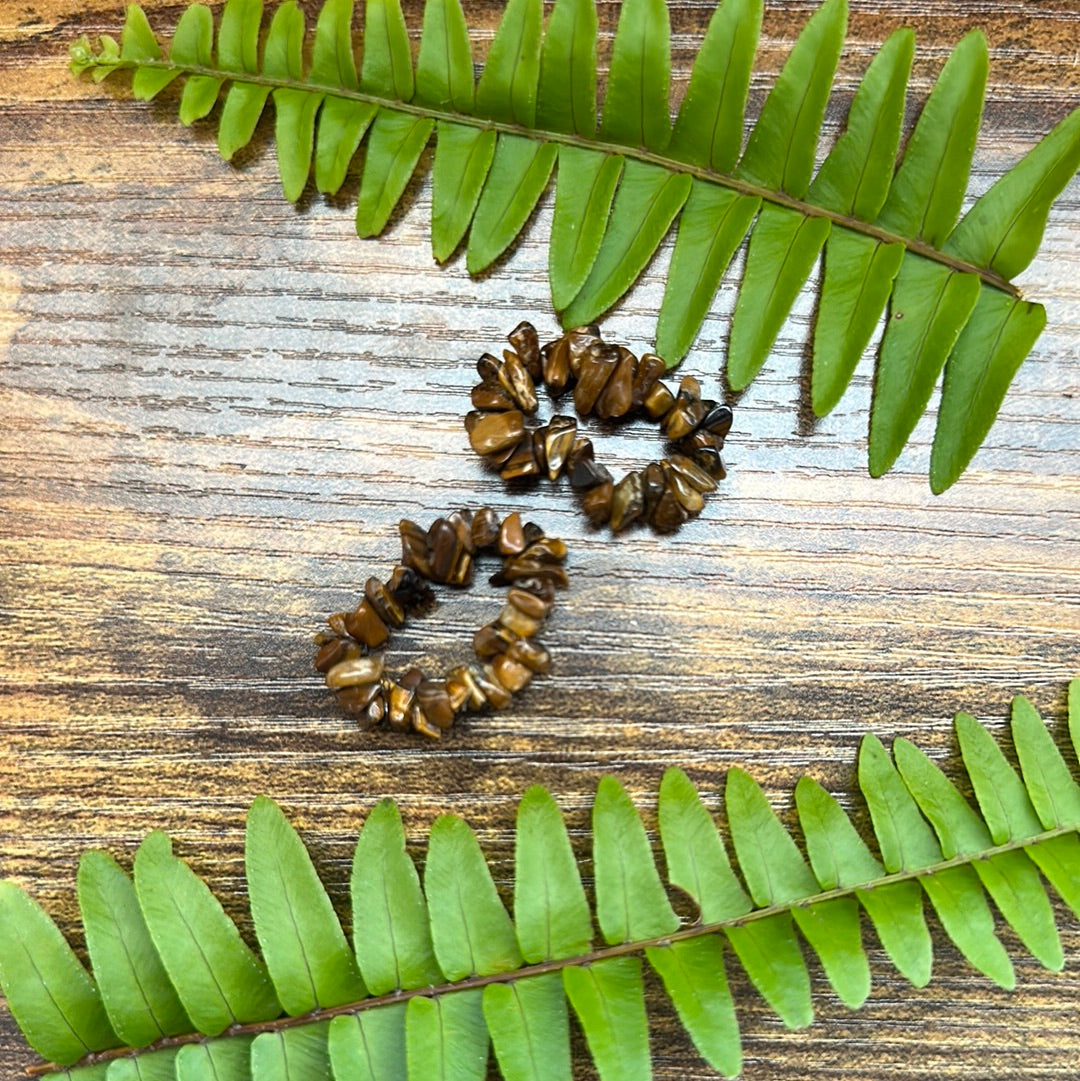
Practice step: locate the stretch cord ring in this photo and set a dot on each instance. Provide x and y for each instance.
(506, 649)
(609, 381)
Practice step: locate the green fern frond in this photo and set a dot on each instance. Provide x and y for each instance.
(439, 970)
(890, 239)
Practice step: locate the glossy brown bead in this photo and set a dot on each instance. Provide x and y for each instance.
(485, 528)
(527, 343)
(490, 687)
(334, 652)
(433, 699)
(547, 550)
(474, 697)
(490, 397)
(510, 673)
(517, 622)
(522, 462)
(511, 535)
(491, 640)
(412, 678)
(420, 723)
(533, 606)
(687, 410)
(354, 672)
(444, 547)
(461, 520)
(540, 587)
(410, 590)
(458, 693)
(366, 627)
(529, 652)
(627, 501)
(596, 502)
(691, 472)
(650, 368)
(517, 382)
(539, 438)
(653, 483)
(383, 602)
(617, 396)
(517, 568)
(596, 369)
(709, 459)
(398, 706)
(496, 431)
(487, 367)
(581, 341)
(414, 547)
(356, 699)
(559, 440)
(688, 496)
(555, 358)
(588, 473)
(658, 401)
(669, 514)
(717, 420)
(581, 450)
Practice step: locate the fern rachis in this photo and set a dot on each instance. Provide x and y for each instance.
(438, 966)
(620, 187)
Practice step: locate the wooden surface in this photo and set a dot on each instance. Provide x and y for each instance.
(216, 407)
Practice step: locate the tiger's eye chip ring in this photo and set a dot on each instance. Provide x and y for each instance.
(507, 651)
(607, 381)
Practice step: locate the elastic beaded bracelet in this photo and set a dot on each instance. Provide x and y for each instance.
(507, 651)
(610, 382)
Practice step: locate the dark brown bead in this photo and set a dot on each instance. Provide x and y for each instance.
(485, 528)
(373, 715)
(472, 419)
(490, 686)
(596, 503)
(366, 627)
(532, 533)
(709, 459)
(414, 547)
(597, 367)
(412, 678)
(494, 431)
(588, 473)
(513, 675)
(691, 472)
(650, 368)
(522, 462)
(652, 487)
(617, 396)
(458, 693)
(489, 396)
(433, 699)
(420, 722)
(669, 513)
(511, 535)
(501, 457)
(582, 449)
(357, 698)
(559, 439)
(546, 550)
(336, 623)
(461, 520)
(539, 438)
(533, 606)
(658, 401)
(492, 639)
(463, 676)
(529, 652)
(717, 420)
(516, 568)
(627, 501)
(525, 340)
(461, 571)
(580, 342)
(334, 652)
(543, 588)
(517, 382)
(556, 366)
(488, 367)
(410, 590)
(682, 418)
(688, 496)
(382, 601)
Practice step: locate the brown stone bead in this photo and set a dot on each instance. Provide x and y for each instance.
(709, 459)
(532, 533)
(596, 503)
(658, 401)
(511, 535)
(382, 601)
(366, 627)
(581, 450)
(691, 472)
(547, 550)
(540, 587)
(650, 368)
(539, 438)
(336, 623)
(489, 396)
(354, 672)
(596, 369)
(490, 686)
(555, 357)
(687, 495)
(580, 342)
(410, 590)
(522, 462)
(492, 639)
(373, 715)
(653, 483)
(533, 606)
(420, 722)
(717, 420)
(617, 396)
(412, 678)
(682, 418)
(517, 382)
(510, 673)
(515, 620)
(529, 652)
(669, 513)
(433, 699)
(357, 698)
(627, 501)
(398, 706)
(461, 520)
(485, 528)
(588, 473)
(444, 547)
(458, 693)
(487, 366)
(461, 572)
(414, 547)
(559, 438)
(525, 340)
(517, 568)
(494, 431)
(463, 676)
(472, 419)
(335, 651)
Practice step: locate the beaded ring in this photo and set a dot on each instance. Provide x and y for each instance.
(506, 649)
(609, 381)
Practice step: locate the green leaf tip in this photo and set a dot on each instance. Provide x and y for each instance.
(620, 191)
(477, 957)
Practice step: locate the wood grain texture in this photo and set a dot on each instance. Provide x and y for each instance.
(216, 408)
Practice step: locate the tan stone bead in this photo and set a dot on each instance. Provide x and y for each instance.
(518, 567)
(669, 513)
(492, 639)
(627, 501)
(650, 368)
(487, 367)
(334, 652)
(530, 653)
(458, 693)
(617, 396)
(355, 672)
(533, 606)
(461, 520)
(516, 381)
(558, 443)
(490, 397)
(596, 503)
(366, 627)
(690, 471)
(432, 698)
(496, 431)
(514, 619)
(511, 535)
(522, 462)
(421, 723)
(414, 547)
(383, 603)
(581, 341)
(399, 704)
(556, 365)
(525, 340)
(444, 549)
(373, 715)
(688, 496)
(658, 401)
(491, 686)
(485, 528)
(475, 699)
(356, 699)
(547, 550)
(682, 418)
(512, 675)
(597, 367)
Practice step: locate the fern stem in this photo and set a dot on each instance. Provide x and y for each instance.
(724, 180)
(622, 949)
